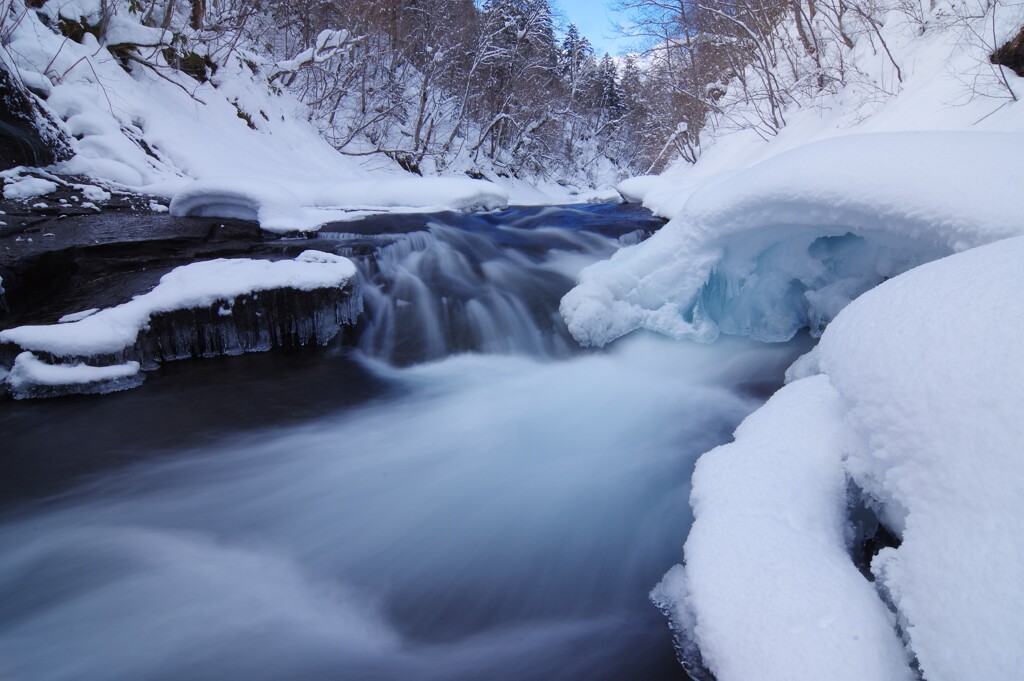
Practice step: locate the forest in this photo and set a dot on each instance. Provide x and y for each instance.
(443, 86)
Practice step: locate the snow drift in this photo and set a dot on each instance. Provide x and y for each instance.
(785, 244)
(929, 371)
(280, 209)
(769, 591)
(924, 418)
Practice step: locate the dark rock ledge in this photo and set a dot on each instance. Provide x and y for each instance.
(61, 260)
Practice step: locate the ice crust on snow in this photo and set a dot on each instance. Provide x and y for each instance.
(279, 209)
(743, 253)
(199, 284)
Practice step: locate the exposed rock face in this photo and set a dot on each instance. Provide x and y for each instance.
(1011, 54)
(28, 135)
(255, 322)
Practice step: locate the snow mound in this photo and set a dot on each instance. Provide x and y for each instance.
(914, 393)
(931, 376)
(280, 209)
(32, 377)
(275, 208)
(768, 590)
(27, 188)
(785, 244)
(200, 284)
(122, 30)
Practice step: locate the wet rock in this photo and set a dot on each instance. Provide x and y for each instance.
(254, 322)
(55, 265)
(29, 136)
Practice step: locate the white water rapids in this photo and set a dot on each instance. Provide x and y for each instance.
(493, 515)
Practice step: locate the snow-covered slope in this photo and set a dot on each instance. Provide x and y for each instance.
(922, 167)
(154, 129)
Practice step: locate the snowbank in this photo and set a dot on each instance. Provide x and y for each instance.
(768, 582)
(200, 284)
(915, 393)
(27, 188)
(280, 209)
(274, 207)
(930, 373)
(785, 244)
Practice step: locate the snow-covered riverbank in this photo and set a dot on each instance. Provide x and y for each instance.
(909, 405)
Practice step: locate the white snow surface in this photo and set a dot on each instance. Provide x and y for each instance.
(279, 209)
(126, 30)
(196, 285)
(29, 371)
(27, 188)
(930, 375)
(230, 131)
(78, 316)
(914, 393)
(915, 196)
(768, 581)
(918, 153)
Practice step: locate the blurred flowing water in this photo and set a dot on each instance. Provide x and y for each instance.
(466, 496)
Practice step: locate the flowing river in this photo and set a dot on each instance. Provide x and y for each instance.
(454, 491)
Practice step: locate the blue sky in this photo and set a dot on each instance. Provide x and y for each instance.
(594, 20)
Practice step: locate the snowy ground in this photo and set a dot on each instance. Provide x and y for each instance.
(914, 395)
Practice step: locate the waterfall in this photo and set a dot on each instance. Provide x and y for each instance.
(472, 284)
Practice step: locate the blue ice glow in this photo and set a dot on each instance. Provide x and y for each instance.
(800, 282)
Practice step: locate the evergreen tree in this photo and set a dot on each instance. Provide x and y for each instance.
(611, 96)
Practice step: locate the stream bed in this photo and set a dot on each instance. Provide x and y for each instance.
(453, 491)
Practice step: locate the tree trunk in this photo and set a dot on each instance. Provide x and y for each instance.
(198, 12)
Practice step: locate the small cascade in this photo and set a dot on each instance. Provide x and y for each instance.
(471, 284)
